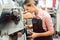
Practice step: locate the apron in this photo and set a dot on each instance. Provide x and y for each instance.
(37, 27)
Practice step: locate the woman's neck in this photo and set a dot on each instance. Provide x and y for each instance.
(36, 11)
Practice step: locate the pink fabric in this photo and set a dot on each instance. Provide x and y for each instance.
(47, 21)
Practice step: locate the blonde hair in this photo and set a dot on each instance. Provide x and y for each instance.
(29, 2)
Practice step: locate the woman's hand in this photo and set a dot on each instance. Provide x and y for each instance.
(34, 35)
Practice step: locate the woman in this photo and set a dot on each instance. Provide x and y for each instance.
(42, 23)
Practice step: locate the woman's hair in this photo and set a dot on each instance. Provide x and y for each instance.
(29, 2)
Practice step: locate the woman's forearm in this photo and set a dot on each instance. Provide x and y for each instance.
(48, 33)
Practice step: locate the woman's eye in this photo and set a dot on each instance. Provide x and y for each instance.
(28, 5)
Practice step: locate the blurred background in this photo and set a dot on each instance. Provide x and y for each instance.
(51, 6)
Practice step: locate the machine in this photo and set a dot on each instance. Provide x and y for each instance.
(11, 20)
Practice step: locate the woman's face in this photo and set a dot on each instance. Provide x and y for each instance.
(29, 8)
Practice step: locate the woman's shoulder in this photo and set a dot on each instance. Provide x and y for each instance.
(44, 13)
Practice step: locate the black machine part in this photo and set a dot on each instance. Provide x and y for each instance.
(10, 15)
